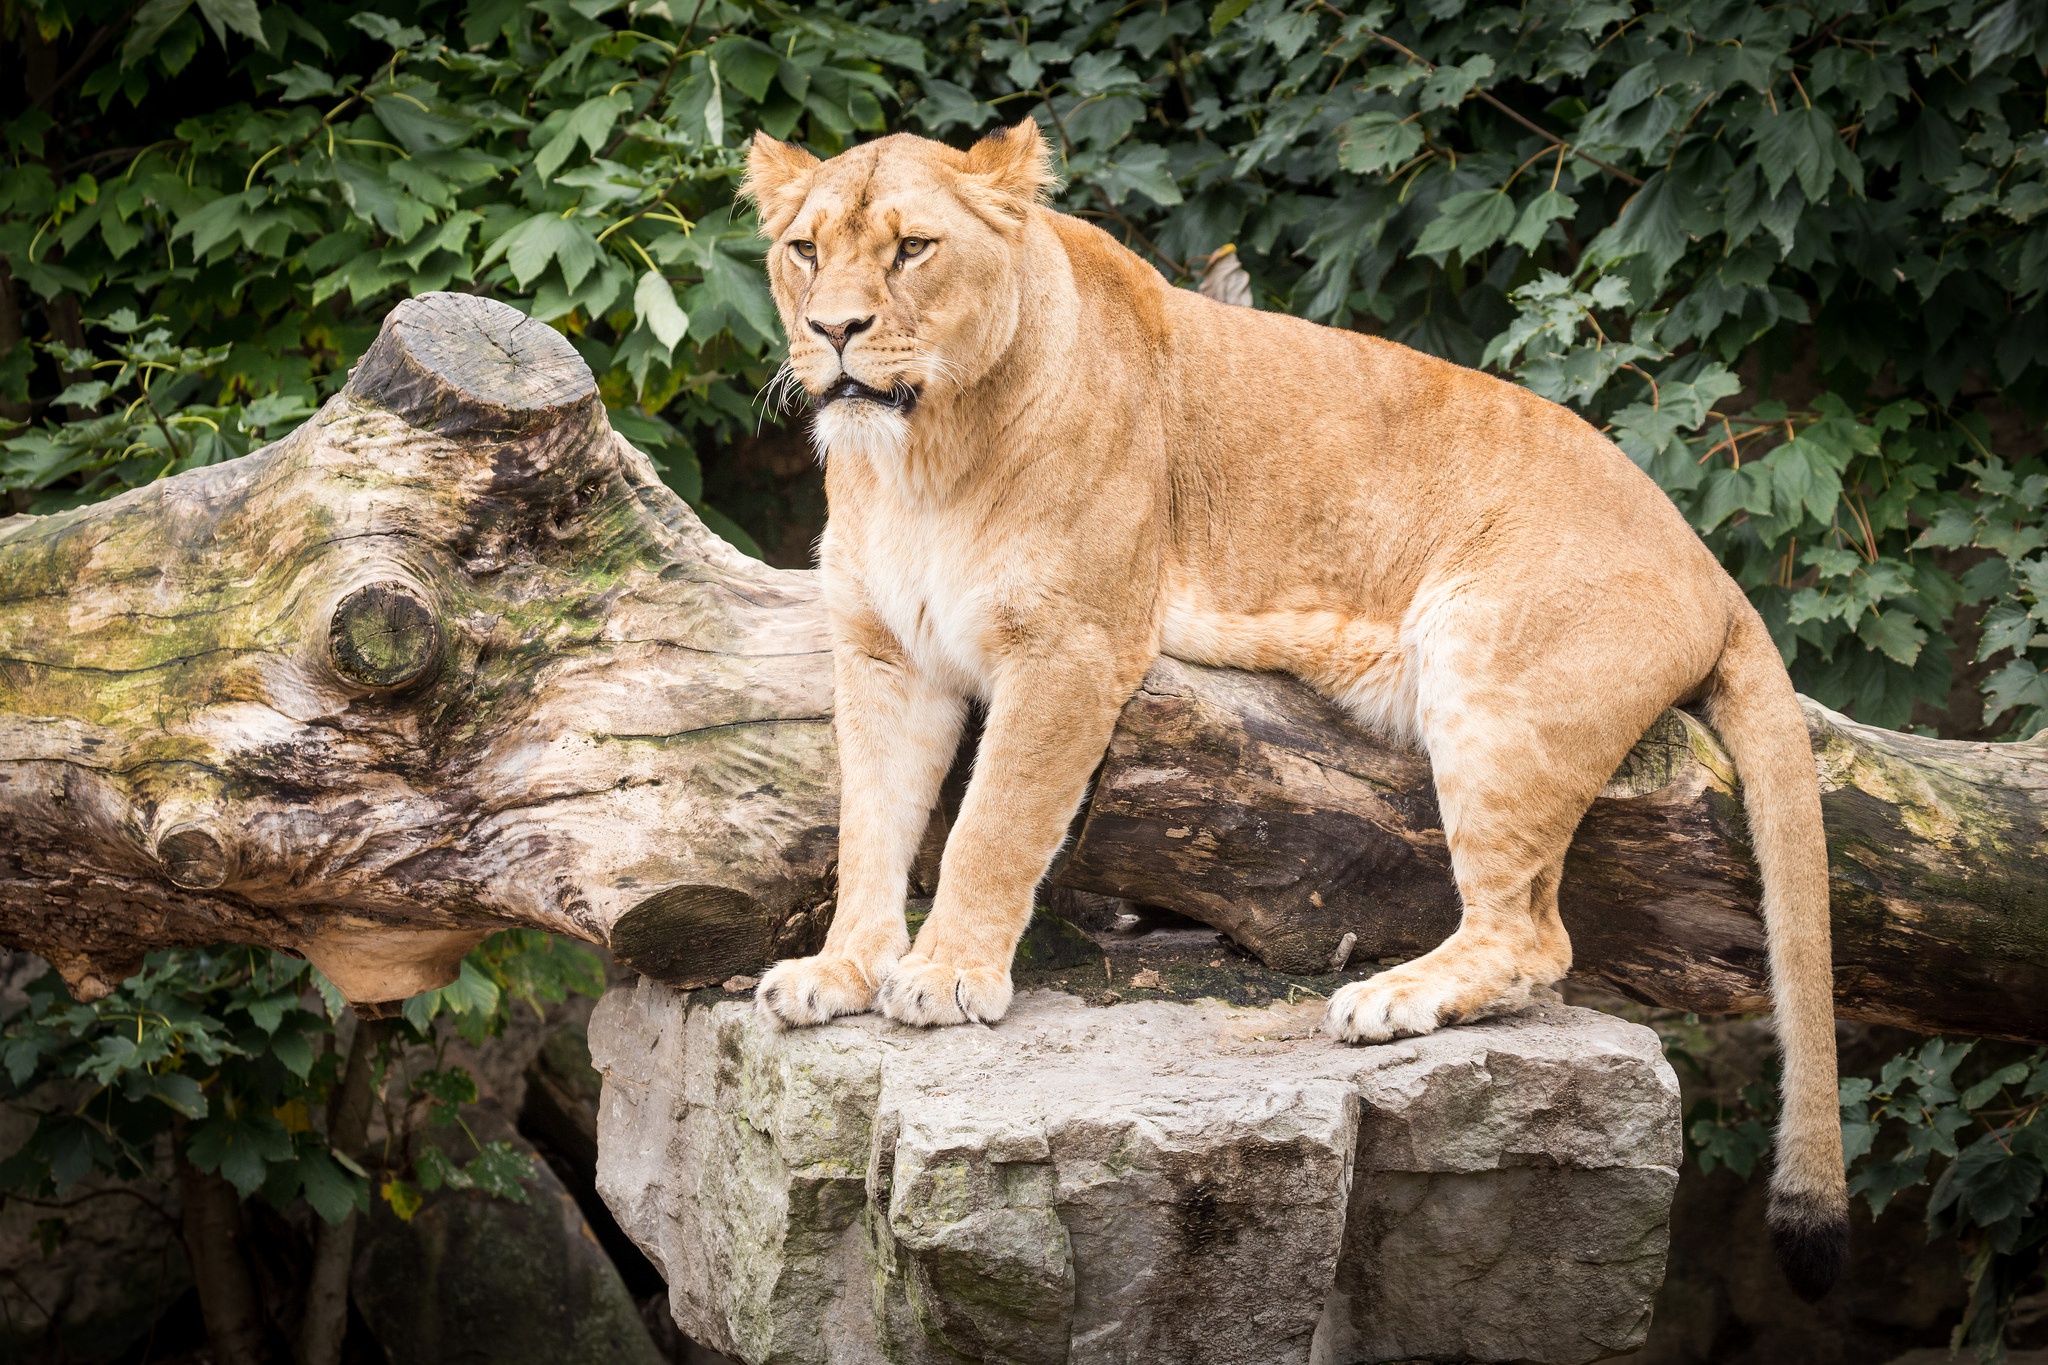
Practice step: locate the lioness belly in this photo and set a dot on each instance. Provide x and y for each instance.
(1358, 662)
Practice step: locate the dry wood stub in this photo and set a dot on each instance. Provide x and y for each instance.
(451, 658)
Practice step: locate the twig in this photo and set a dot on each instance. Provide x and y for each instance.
(1059, 126)
(1547, 136)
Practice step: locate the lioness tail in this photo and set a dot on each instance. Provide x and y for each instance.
(1753, 708)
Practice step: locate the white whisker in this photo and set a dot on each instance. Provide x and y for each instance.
(941, 368)
(777, 394)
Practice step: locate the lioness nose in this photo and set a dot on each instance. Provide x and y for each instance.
(839, 333)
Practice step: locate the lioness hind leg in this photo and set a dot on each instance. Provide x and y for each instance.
(1511, 785)
(1509, 946)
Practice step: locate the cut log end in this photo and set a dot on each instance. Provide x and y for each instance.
(461, 365)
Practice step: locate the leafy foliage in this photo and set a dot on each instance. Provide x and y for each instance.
(1973, 1127)
(228, 1054)
(1792, 258)
(1989, 1194)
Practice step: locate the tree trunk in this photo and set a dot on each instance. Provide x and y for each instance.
(324, 1328)
(236, 1327)
(450, 658)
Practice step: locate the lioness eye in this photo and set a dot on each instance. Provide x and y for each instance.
(909, 247)
(804, 249)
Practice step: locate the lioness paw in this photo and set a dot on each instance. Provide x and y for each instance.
(1388, 1006)
(811, 990)
(926, 993)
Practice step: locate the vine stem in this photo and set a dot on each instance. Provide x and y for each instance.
(1487, 95)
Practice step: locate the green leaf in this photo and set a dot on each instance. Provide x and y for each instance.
(1447, 86)
(1140, 168)
(180, 1092)
(436, 1172)
(530, 247)
(948, 105)
(654, 302)
(148, 26)
(1651, 225)
(239, 1149)
(1537, 215)
(1467, 223)
(239, 15)
(386, 29)
(268, 1010)
(1225, 13)
(303, 82)
(714, 109)
(1951, 529)
(748, 64)
(1377, 141)
(2005, 627)
(333, 1192)
(295, 1051)
(471, 992)
(1798, 143)
(1894, 632)
(451, 1086)
(1980, 1094)
(421, 131)
(501, 1170)
(2019, 683)
(589, 123)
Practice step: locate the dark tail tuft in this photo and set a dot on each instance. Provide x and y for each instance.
(1812, 1242)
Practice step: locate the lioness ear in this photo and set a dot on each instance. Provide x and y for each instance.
(778, 178)
(1010, 164)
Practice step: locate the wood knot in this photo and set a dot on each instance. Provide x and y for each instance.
(193, 858)
(383, 636)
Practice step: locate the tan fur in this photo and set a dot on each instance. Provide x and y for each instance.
(1100, 467)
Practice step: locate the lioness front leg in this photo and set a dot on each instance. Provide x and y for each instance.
(897, 734)
(1048, 724)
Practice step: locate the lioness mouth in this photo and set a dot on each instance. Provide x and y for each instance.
(901, 397)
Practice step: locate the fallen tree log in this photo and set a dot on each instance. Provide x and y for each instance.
(451, 658)
(1250, 803)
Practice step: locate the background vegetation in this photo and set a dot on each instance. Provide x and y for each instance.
(1791, 256)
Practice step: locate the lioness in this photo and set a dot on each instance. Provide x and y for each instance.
(1045, 466)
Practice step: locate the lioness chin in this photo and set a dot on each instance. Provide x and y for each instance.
(1045, 466)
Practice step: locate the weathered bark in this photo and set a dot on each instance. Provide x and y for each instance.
(450, 658)
(446, 659)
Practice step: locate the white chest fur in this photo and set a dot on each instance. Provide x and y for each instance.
(939, 585)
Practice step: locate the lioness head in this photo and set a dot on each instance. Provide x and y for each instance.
(894, 268)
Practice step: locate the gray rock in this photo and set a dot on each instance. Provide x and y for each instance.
(1146, 1182)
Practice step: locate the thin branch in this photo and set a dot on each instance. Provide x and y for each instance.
(1550, 137)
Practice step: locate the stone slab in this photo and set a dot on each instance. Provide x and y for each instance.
(1143, 1182)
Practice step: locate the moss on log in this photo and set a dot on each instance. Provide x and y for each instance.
(447, 658)
(451, 658)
